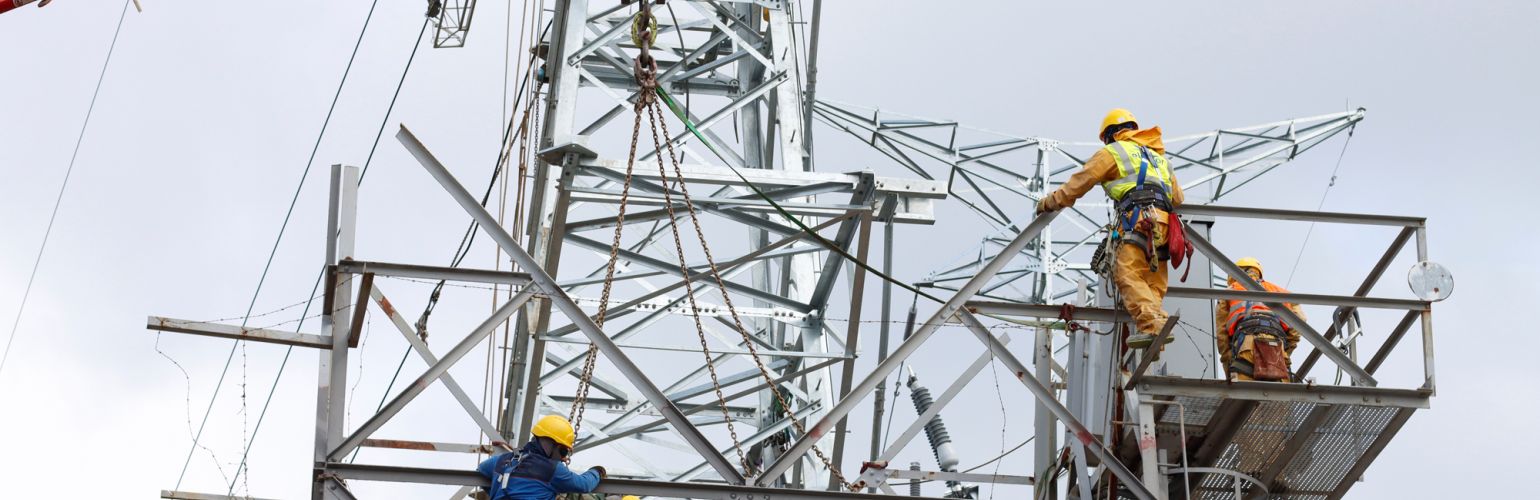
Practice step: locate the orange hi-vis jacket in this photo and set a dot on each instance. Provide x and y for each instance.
(1229, 313)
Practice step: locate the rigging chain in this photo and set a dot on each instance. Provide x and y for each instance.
(646, 77)
(644, 33)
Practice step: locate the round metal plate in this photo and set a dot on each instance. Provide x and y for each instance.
(1430, 281)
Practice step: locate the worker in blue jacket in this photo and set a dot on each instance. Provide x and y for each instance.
(539, 471)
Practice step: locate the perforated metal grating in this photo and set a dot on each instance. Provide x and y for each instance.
(1198, 411)
(1316, 467)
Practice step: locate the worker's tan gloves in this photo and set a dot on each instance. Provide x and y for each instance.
(1047, 204)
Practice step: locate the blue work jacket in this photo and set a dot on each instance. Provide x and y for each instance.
(535, 477)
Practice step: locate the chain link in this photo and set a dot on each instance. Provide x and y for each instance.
(643, 32)
(689, 287)
(727, 301)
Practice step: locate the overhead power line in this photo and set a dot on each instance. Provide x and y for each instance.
(59, 199)
(277, 241)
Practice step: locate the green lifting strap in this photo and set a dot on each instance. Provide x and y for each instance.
(679, 113)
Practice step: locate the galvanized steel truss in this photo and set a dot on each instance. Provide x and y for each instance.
(738, 67)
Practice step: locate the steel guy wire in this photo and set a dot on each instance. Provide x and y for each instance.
(1329, 183)
(367, 162)
(63, 186)
(304, 175)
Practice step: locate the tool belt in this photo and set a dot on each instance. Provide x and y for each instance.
(1269, 360)
(1144, 196)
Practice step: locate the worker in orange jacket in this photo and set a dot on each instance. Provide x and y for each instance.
(1243, 328)
(1133, 170)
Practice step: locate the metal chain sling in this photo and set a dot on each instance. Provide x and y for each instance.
(726, 299)
(644, 32)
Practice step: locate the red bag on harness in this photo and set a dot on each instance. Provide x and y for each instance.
(1176, 243)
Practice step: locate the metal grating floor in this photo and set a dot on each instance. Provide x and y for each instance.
(1269, 447)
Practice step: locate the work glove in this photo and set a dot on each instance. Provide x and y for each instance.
(602, 473)
(1043, 205)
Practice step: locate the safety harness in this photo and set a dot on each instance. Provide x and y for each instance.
(522, 464)
(1136, 220)
(1267, 350)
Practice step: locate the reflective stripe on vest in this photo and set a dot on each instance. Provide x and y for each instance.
(1130, 156)
(1240, 310)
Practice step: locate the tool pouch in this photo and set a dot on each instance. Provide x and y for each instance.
(1268, 363)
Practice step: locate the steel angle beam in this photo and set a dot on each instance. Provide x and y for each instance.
(673, 269)
(1363, 289)
(402, 444)
(1045, 397)
(561, 301)
(764, 432)
(842, 240)
(930, 475)
(727, 268)
(1298, 298)
(941, 401)
(1304, 216)
(616, 486)
(1391, 341)
(188, 495)
(238, 333)
(1046, 311)
(617, 434)
(707, 174)
(796, 450)
(421, 347)
(393, 270)
(1274, 391)
(435, 371)
(1294, 321)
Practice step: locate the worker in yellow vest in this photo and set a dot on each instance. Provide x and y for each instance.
(1133, 170)
(1254, 343)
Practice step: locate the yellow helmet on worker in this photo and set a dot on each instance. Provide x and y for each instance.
(1117, 116)
(557, 428)
(630, 497)
(1250, 262)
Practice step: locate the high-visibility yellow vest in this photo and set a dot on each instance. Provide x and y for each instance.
(1129, 156)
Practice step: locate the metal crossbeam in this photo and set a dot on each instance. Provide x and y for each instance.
(615, 486)
(902, 352)
(559, 298)
(238, 333)
(1294, 321)
(1273, 391)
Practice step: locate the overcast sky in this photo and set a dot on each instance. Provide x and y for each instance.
(209, 111)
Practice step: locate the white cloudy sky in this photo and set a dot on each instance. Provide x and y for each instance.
(209, 111)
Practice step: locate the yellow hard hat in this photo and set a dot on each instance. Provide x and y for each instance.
(557, 428)
(1117, 116)
(630, 497)
(1246, 262)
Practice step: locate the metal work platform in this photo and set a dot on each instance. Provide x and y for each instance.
(1272, 440)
